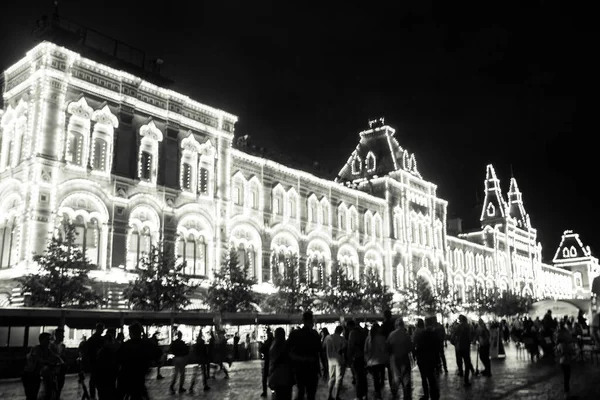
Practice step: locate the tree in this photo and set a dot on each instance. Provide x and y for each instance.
(341, 296)
(417, 297)
(445, 303)
(376, 296)
(231, 289)
(160, 283)
(63, 276)
(293, 295)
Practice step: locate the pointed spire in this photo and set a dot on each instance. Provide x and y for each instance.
(494, 205)
(516, 209)
(514, 194)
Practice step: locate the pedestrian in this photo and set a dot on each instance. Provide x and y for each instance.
(94, 344)
(281, 374)
(427, 346)
(304, 346)
(565, 353)
(180, 351)
(264, 350)
(483, 337)
(334, 347)
(356, 357)
(201, 353)
(400, 348)
(376, 358)
(236, 346)
(463, 346)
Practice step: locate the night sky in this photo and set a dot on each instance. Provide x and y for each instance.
(464, 85)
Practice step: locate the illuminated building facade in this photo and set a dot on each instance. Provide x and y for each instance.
(130, 164)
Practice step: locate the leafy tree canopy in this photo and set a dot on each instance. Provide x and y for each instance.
(160, 283)
(293, 295)
(376, 296)
(418, 297)
(342, 296)
(63, 276)
(231, 288)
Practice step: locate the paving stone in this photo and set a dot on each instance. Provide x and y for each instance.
(515, 377)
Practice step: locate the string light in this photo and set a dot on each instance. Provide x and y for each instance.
(410, 208)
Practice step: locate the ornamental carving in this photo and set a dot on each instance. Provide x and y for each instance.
(80, 108)
(151, 131)
(190, 144)
(105, 117)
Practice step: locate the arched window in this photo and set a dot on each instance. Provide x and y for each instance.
(370, 162)
(102, 139)
(9, 241)
(148, 153)
(192, 250)
(356, 165)
(78, 132)
(206, 169)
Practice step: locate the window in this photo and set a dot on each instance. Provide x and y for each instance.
(370, 162)
(254, 199)
(99, 159)
(356, 165)
(193, 252)
(75, 148)
(139, 246)
(203, 181)
(102, 139)
(277, 205)
(7, 246)
(148, 152)
(292, 208)
(186, 177)
(146, 166)
(237, 194)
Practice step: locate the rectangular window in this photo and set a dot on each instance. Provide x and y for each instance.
(146, 166)
(254, 200)
(186, 177)
(237, 195)
(276, 206)
(99, 161)
(203, 181)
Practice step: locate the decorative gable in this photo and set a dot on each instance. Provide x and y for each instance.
(494, 206)
(516, 209)
(571, 248)
(378, 153)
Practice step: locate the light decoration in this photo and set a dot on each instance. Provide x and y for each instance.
(188, 164)
(148, 153)
(102, 139)
(78, 133)
(43, 75)
(371, 162)
(493, 196)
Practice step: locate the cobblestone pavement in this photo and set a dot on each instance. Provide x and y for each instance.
(513, 378)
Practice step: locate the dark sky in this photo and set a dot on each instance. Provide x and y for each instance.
(464, 85)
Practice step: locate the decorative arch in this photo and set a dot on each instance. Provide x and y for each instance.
(278, 205)
(238, 188)
(255, 196)
(373, 259)
(459, 288)
(148, 153)
(285, 242)
(143, 232)
(318, 256)
(370, 162)
(89, 216)
(342, 211)
(11, 212)
(102, 140)
(78, 133)
(352, 218)
(324, 211)
(347, 258)
(292, 209)
(284, 246)
(426, 274)
(527, 291)
(195, 244)
(312, 209)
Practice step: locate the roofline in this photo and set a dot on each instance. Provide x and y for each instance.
(45, 47)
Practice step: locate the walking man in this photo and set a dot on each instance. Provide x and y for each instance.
(335, 346)
(180, 350)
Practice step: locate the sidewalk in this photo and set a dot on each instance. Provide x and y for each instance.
(513, 378)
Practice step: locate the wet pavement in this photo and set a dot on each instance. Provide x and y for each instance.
(515, 377)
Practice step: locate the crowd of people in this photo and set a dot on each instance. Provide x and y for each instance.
(118, 368)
